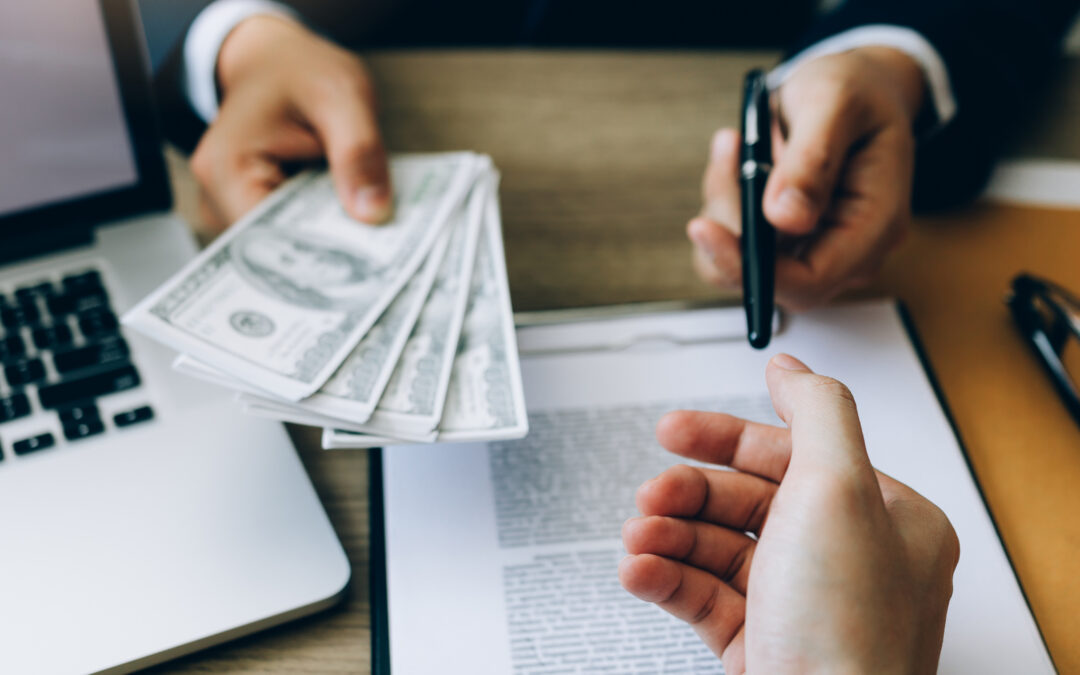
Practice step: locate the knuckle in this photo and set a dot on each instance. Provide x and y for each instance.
(824, 79)
(201, 162)
(706, 608)
(366, 155)
(832, 388)
(813, 161)
(948, 542)
(347, 79)
(362, 150)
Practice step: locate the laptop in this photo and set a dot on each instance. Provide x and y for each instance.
(141, 517)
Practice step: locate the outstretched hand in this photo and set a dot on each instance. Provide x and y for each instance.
(804, 558)
(290, 97)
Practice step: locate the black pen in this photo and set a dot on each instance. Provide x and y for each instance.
(758, 241)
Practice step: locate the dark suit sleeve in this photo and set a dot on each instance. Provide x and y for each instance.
(1000, 54)
(165, 23)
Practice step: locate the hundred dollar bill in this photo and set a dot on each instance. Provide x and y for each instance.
(283, 413)
(412, 403)
(355, 387)
(486, 400)
(353, 391)
(281, 299)
(349, 397)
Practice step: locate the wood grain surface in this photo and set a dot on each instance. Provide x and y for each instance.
(601, 155)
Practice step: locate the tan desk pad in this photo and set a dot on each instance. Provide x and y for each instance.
(952, 273)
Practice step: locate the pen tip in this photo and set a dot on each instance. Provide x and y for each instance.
(759, 340)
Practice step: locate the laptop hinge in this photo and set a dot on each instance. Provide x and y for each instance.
(45, 239)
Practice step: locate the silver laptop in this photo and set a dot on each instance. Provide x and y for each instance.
(141, 517)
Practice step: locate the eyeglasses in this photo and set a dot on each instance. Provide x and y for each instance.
(1049, 317)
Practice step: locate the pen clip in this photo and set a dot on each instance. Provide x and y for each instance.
(756, 115)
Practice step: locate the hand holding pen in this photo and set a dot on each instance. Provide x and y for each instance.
(840, 188)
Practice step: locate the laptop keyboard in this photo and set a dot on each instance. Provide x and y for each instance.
(61, 350)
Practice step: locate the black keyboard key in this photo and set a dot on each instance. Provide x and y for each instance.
(26, 294)
(126, 419)
(12, 347)
(58, 335)
(23, 372)
(70, 303)
(102, 353)
(98, 323)
(83, 281)
(60, 305)
(39, 442)
(71, 392)
(74, 432)
(79, 413)
(13, 407)
(14, 316)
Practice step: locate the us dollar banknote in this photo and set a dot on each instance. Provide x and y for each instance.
(284, 296)
(354, 389)
(485, 399)
(352, 393)
(412, 403)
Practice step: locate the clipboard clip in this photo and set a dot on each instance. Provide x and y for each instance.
(621, 328)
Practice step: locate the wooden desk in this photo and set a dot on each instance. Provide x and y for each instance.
(601, 155)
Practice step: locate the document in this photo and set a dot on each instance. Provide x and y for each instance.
(501, 557)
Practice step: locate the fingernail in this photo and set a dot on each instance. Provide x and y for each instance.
(696, 232)
(788, 362)
(373, 203)
(795, 204)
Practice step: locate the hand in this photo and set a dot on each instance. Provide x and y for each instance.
(840, 191)
(288, 97)
(851, 571)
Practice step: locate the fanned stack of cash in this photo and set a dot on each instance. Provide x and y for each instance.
(389, 334)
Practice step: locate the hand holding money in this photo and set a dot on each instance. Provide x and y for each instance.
(398, 333)
(287, 96)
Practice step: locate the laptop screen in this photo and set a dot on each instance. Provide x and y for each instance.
(63, 133)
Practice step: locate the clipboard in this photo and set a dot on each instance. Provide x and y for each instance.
(555, 320)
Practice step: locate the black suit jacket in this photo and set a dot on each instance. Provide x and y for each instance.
(999, 53)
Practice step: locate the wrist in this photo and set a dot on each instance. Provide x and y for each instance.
(250, 44)
(902, 75)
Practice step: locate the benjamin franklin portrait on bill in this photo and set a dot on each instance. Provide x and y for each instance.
(304, 272)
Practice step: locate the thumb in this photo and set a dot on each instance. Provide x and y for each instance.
(826, 436)
(802, 184)
(354, 150)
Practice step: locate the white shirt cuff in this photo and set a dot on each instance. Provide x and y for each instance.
(900, 38)
(203, 43)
